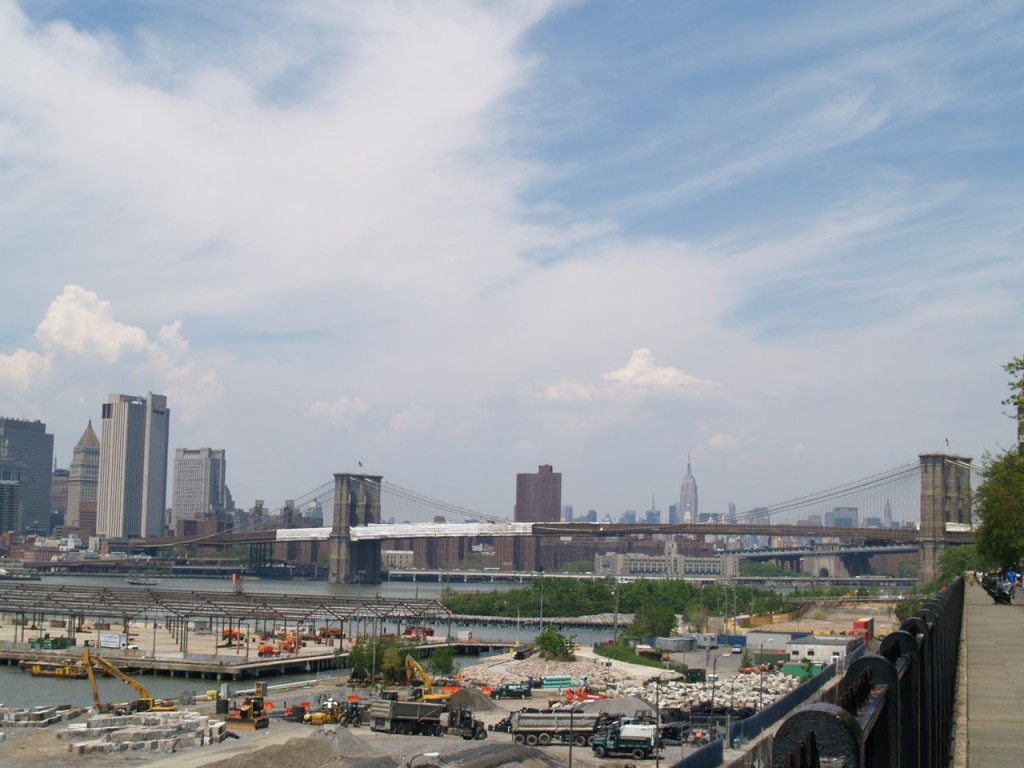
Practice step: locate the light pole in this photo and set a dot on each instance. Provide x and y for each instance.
(714, 682)
(541, 599)
(657, 722)
(430, 755)
(760, 676)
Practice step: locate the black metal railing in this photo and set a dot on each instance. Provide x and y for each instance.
(895, 707)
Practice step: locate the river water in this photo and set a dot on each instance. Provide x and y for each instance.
(19, 689)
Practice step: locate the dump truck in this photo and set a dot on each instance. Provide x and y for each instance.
(512, 691)
(560, 727)
(410, 717)
(461, 722)
(637, 740)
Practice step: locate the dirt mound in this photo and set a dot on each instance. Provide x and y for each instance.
(497, 755)
(307, 752)
(626, 705)
(473, 700)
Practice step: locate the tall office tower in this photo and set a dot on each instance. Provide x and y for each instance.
(132, 488)
(688, 496)
(732, 513)
(539, 496)
(27, 442)
(887, 515)
(567, 513)
(199, 483)
(12, 474)
(59, 493)
(85, 473)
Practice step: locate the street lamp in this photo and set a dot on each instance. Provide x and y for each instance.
(541, 599)
(714, 682)
(430, 755)
(760, 675)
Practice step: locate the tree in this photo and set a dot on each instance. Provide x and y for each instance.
(999, 503)
(653, 618)
(956, 560)
(553, 645)
(442, 661)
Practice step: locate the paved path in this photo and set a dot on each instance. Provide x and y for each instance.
(994, 639)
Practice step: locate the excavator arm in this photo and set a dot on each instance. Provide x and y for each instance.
(414, 669)
(145, 700)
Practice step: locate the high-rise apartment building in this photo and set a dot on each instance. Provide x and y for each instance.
(688, 496)
(199, 483)
(132, 490)
(539, 496)
(27, 442)
(84, 477)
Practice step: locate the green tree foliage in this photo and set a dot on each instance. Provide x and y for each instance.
(653, 619)
(385, 657)
(553, 645)
(955, 560)
(442, 661)
(999, 504)
(746, 660)
(572, 597)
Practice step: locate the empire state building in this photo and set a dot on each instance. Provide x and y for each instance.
(688, 496)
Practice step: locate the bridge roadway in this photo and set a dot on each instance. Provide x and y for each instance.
(991, 683)
(381, 532)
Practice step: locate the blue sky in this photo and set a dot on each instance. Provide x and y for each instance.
(455, 241)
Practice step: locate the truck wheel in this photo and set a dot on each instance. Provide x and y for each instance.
(519, 738)
(639, 754)
(600, 751)
(531, 740)
(579, 740)
(481, 735)
(590, 740)
(544, 739)
(440, 730)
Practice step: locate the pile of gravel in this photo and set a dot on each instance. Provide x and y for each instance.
(473, 700)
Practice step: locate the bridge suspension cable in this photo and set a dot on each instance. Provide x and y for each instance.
(422, 500)
(889, 477)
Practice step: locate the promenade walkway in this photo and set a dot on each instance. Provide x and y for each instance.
(994, 681)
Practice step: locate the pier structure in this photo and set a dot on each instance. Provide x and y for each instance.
(196, 633)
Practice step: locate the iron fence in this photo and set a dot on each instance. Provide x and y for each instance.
(895, 707)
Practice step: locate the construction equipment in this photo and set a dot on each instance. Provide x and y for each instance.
(266, 649)
(550, 727)
(414, 669)
(145, 702)
(334, 712)
(462, 723)
(638, 740)
(409, 717)
(251, 713)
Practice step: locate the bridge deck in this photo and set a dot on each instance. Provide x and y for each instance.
(994, 680)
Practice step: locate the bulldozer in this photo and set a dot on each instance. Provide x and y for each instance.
(145, 702)
(251, 713)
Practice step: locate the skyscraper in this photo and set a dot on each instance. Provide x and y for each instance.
(539, 496)
(85, 472)
(199, 483)
(132, 490)
(27, 442)
(688, 496)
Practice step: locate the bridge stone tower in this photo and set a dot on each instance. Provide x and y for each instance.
(945, 498)
(356, 503)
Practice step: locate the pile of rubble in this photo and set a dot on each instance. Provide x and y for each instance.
(38, 717)
(500, 669)
(149, 731)
(744, 691)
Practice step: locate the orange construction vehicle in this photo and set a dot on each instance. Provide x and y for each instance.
(266, 649)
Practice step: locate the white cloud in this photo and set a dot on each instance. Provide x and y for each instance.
(415, 418)
(345, 410)
(23, 368)
(80, 323)
(723, 441)
(641, 378)
(79, 331)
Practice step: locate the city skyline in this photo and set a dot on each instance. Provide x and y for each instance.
(454, 242)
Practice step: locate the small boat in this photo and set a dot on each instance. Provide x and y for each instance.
(141, 581)
(67, 669)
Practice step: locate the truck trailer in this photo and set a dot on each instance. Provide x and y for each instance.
(559, 727)
(419, 717)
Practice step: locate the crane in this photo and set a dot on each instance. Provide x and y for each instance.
(145, 702)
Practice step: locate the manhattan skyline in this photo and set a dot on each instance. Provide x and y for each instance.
(456, 242)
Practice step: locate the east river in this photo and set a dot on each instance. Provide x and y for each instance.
(19, 689)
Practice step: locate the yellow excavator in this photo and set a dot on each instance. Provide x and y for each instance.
(414, 669)
(145, 702)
